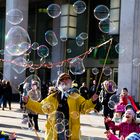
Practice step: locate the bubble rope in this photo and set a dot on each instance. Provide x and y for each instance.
(56, 64)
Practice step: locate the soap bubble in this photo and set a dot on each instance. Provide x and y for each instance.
(83, 35)
(19, 64)
(14, 16)
(54, 10)
(51, 38)
(79, 7)
(35, 45)
(101, 12)
(43, 51)
(17, 41)
(76, 66)
(95, 71)
(79, 41)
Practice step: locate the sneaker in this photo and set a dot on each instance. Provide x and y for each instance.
(38, 130)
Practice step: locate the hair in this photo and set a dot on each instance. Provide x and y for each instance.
(125, 89)
(132, 113)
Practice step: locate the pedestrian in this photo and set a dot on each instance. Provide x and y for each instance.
(8, 93)
(93, 88)
(1, 93)
(35, 95)
(63, 108)
(108, 91)
(20, 89)
(84, 90)
(4, 94)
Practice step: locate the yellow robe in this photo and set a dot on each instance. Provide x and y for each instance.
(77, 104)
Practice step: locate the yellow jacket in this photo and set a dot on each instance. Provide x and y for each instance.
(77, 104)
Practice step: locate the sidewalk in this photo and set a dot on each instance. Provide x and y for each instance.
(92, 127)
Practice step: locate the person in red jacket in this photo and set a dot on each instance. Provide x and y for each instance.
(126, 99)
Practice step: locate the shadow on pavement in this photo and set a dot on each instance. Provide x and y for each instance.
(9, 117)
(91, 138)
(89, 125)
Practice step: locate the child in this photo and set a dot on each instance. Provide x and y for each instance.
(119, 111)
(126, 99)
(127, 126)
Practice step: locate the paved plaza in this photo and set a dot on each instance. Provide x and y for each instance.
(92, 127)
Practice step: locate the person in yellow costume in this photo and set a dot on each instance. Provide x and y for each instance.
(63, 108)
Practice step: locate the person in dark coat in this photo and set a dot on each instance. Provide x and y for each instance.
(20, 88)
(84, 90)
(96, 88)
(108, 91)
(4, 94)
(1, 93)
(8, 94)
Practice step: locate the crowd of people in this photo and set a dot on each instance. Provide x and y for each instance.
(64, 101)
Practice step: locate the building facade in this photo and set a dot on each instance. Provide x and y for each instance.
(37, 22)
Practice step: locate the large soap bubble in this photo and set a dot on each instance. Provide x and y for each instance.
(76, 66)
(35, 93)
(43, 51)
(14, 16)
(19, 64)
(53, 10)
(79, 7)
(106, 26)
(101, 12)
(115, 98)
(28, 82)
(110, 86)
(17, 41)
(31, 87)
(51, 38)
(111, 104)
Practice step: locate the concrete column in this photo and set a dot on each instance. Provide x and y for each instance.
(58, 51)
(8, 72)
(129, 75)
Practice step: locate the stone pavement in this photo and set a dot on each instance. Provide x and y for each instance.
(92, 127)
